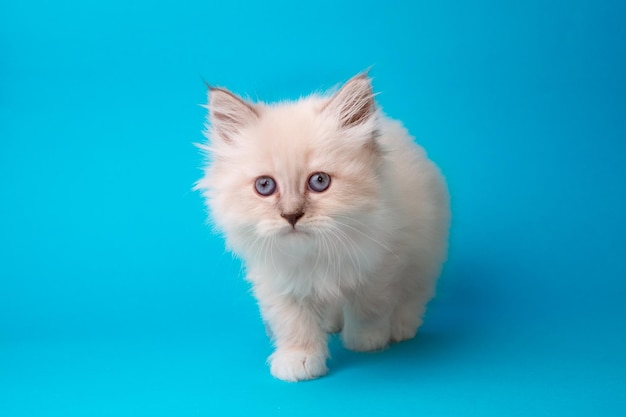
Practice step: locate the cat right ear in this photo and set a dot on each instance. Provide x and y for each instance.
(353, 104)
(228, 114)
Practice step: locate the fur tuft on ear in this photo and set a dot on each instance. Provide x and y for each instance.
(228, 114)
(354, 102)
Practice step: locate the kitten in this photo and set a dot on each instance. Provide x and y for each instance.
(339, 216)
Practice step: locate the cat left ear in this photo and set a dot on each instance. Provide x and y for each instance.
(354, 102)
(228, 114)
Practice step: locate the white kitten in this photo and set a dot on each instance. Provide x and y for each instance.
(341, 219)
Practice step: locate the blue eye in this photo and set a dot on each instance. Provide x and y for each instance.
(319, 182)
(265, 186)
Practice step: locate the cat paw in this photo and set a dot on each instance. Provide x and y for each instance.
(366, 340)
(404, 329)
(297, 365)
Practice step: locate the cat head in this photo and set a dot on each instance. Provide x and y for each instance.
(291, 172)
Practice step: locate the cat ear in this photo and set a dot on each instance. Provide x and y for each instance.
(354, 103)
(228, 114)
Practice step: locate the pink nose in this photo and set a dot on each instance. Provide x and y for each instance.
(292, 218)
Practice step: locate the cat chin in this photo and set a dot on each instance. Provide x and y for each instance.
(295, 237)
(295, 242)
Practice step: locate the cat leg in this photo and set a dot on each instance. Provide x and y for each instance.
(301, 344)
(367, 321)
(413, 294)
(332, 318)
(406, 319)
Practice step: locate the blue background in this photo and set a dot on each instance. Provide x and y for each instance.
(116, 299)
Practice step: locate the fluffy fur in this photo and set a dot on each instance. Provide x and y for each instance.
(364, 257)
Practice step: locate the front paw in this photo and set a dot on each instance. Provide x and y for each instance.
(297, 365)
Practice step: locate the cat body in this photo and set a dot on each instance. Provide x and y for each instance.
(339, 216)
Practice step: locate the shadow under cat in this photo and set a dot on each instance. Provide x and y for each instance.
(458, 322)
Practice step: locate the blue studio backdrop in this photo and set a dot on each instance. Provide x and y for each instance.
(116, 298)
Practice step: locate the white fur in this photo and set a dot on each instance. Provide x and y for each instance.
(365, 256)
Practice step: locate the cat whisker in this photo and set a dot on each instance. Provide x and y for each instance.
(349, 246)
(317, 259)
(272, 242)
(329, 259)
(355, 247)
(335, 261)
(253, 240)
(263, 251)
(368, 237)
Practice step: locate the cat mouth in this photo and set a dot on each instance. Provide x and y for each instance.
(295, 231)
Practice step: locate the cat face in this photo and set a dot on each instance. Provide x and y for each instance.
(293, 171)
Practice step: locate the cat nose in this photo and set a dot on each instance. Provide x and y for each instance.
(292, 218)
